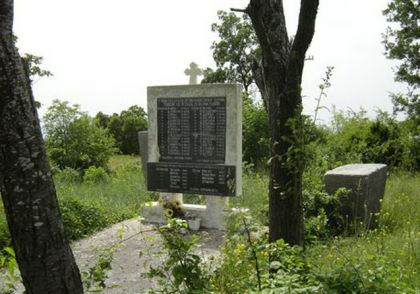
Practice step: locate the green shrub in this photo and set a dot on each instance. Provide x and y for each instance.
(88, 208)
(182, 270)
(350, 265)
(74, 140)
(377, 274)
(81, 218)
(9, 271)
(85, 145)
(94, 280)
(68, 175)
(255, 140)
(4, 230)
(235, 271)
(125, 127)
(54, 168)
(291, 271)
(363, 265)
(401, 202)
(254, 198)
(322, 214)
(356, 138)
(250, 264)
(95, 175)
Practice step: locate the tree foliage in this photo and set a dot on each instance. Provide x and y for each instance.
(214, 76)
(58, 118)
(34, 64)
(255, 140)
(402, 43)
(356, 138)
(235, 52)
(124, 127)
(73, 139)
(86, 145)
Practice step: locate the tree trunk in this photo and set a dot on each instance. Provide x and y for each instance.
(45, 259)
(279, 80)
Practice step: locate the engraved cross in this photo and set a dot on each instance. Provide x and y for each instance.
(193, 71)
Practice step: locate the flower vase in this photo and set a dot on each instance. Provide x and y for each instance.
(194, 224)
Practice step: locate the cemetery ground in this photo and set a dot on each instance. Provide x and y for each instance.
(385, 260)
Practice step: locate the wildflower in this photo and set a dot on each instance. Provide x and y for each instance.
(168, 212)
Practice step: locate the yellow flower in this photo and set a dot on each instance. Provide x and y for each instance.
(168, 212)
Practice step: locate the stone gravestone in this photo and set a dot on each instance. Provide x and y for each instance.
(367, 185)
(195, 147)
(142, 136)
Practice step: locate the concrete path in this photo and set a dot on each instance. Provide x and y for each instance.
(128, 265)
(133, 238)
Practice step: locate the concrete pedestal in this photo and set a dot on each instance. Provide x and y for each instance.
(213, 216)
(216, 212)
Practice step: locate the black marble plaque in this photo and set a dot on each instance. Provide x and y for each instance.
(203, 179)
(191, 129)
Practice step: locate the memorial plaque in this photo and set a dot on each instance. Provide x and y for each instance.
(203, 179)
(195, 139)
(191, 130)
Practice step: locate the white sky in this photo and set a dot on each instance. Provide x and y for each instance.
(104, 53)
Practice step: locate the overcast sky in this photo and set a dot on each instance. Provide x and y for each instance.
(104, 53)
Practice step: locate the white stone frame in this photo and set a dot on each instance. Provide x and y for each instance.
(233, 94)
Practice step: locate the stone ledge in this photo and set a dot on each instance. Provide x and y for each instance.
(153, 213)
(358, 170)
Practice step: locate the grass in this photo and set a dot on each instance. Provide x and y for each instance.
(126, 190)
(254, 195)
(386, 257)
(401, 203)
(87, 208)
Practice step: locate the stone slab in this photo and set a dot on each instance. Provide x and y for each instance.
(367, 185)
(142, 137)
(191, 129)
(177, 126)
(202, 179)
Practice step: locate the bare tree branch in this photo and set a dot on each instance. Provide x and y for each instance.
(306, 27)
(239, 10)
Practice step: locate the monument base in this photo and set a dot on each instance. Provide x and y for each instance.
(210, 218)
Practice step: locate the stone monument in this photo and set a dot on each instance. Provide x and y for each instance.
(366, 183)
(142, 136)
(195, 146)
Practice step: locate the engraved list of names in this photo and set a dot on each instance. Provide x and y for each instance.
(191, 129)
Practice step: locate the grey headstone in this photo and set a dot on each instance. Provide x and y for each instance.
(143, 137)
(367, 185)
